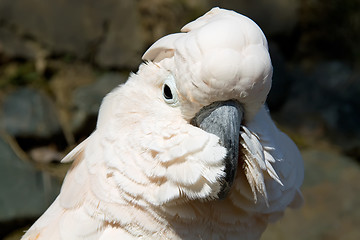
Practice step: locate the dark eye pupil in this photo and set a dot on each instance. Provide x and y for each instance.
(167, 92)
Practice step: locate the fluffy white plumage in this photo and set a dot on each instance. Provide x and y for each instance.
(147, 173)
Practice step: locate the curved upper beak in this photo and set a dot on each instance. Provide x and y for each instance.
(223, 119)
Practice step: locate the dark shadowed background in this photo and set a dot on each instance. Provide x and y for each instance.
(58, 59)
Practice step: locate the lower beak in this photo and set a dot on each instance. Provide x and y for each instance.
(223, 119)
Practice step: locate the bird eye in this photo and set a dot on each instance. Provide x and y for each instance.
(169, 91)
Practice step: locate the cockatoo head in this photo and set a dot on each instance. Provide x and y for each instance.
(197, 87)
(220, 56)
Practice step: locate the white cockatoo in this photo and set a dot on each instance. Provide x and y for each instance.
(185, 149)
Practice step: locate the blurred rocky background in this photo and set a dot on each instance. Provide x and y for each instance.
(58, 59)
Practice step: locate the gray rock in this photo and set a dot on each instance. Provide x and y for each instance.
(123, 43)
(60, 25)
(54, 24)
(25, 191)
(12, 46)
(107, 30)
(27, 112)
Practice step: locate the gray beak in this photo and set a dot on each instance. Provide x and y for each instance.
(223, 119)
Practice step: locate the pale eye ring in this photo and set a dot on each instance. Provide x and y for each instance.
(169, 91)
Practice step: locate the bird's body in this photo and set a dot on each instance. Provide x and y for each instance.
(153, 169)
